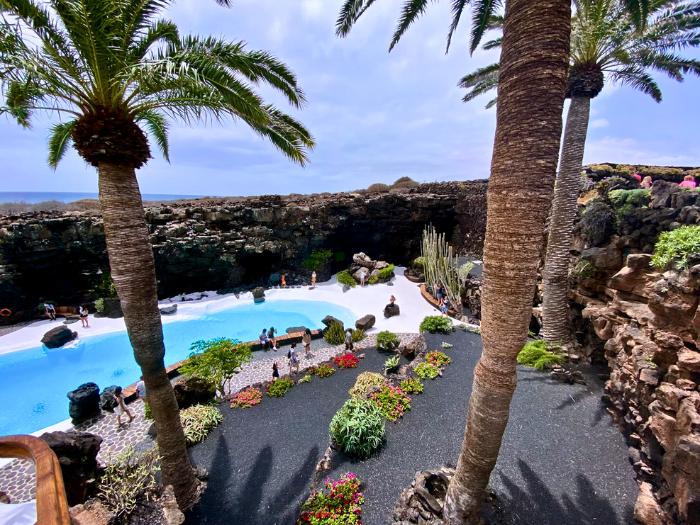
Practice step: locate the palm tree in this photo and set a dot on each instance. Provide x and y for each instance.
(110, 69)
(605, 43)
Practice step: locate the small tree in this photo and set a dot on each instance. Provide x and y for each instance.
(216, 361)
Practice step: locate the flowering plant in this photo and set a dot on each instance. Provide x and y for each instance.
(391, 401)
(347, 360)
(338, 503)
(324, 370)
(427, 370)
(412, 386)
(247, 398)
(438, 359)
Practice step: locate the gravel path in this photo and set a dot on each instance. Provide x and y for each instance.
(562, 460)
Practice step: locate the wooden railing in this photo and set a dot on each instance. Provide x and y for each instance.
(51, 503)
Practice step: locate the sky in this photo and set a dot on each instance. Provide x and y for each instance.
(375, 116)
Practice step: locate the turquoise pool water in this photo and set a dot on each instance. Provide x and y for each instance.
(34, 382)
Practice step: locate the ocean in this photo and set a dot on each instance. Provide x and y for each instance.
(33, 197)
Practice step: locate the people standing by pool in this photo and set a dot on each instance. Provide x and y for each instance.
(83, 313)
(50, 310)
(306, 340)
(121, 407)
(348, 340)
(264, 339)
(275, 371)
(313, 279)
(293, 359)
(271, 335)
(283, 280)
(363, 277)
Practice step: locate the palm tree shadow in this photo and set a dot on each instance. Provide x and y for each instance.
(533, 502)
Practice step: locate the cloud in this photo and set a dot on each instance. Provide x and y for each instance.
(599, 123)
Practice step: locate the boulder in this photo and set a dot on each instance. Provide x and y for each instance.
(390, 310)
(365, 322)
(259, 294)
(108, 400)
(414, 347)
(57, 337)
(295, 329)
(168, 310)
(77, 454)
(84, 403)
(329, 320)
(112, 308)
(362, 259)
(193, 391)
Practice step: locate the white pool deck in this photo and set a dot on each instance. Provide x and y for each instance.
(370, 299)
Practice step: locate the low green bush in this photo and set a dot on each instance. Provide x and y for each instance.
(334, 334)
(536, 355)
(280, 387)
(198, 421)
(436, 324)
(427, 370)
(624, 201)
(387, 341)
(386, 273)
(358, 428)
(346, 279)
(324, 370)
(316, 259)
(412, 386)
(391, 364)
(674, 248)
(358, 335)
(373, 279)
(128, 481)
(365, 382)
(100, 305)
(378, 187)
(419, 262)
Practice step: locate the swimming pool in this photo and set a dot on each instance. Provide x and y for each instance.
(34, 382)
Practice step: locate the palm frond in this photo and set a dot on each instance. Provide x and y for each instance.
(411, 11)
(457, 9)
(157, 126)
(349, 14)
(482, 18)
(481, 81)
(637, 78)
(59, 141)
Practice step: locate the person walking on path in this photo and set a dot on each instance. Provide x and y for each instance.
(50, 311)
(313, 279)
(293, 359)
(363, 276)
(121, 407)
(83, 313)
(306, 340)
(275, 371)
(348, 340)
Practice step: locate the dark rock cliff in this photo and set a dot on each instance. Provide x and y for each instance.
(229, 243)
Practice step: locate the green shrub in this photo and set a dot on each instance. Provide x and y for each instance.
(105, 286)
(357, 428)
(584, 269)
(387, 341)
(147, 410)
(419, 262)
(346, 279)
(128, 480)
(100, 305)
(624, 201)
(280, 387)
(358, 335)
(436, 324)
(198, 421)
(216, 361)
(386, 273)
(537, 355)
(317, 259)
(404, 182)
(378, 187)
(427, 370)
(373, 279)
(365, 382)
(391, 364)
(334, 334)
(412, 386)
(324, 370)
(674, 248)
(597, 222)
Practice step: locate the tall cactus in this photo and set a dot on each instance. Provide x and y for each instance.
(442, 266)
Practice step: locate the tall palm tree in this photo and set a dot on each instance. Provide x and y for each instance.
(605, 44)
(112, 69)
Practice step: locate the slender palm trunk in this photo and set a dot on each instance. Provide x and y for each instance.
(530, 100)
(133, 272)
(555, 304)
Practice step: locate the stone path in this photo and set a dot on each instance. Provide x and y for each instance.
(17, 478)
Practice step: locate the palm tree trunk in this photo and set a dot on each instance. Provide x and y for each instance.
(133, 272)
(531, 88)
(555, 303)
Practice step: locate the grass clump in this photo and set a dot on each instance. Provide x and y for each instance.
(334, 334)
(365, 383)
(536, 355)
(387, 341)
(324, 370)
(280, 387)
(127, 480)
(412, 386)
(358, 428)
(427, 370)
(436, 324)
(346, 279)
(198, 421)
(674, 248)
(358, 335)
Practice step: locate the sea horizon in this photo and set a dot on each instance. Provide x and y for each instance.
(35, 197)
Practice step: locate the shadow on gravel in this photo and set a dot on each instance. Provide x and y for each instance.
(533, 502)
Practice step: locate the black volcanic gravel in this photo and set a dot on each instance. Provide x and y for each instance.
(562, 460)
